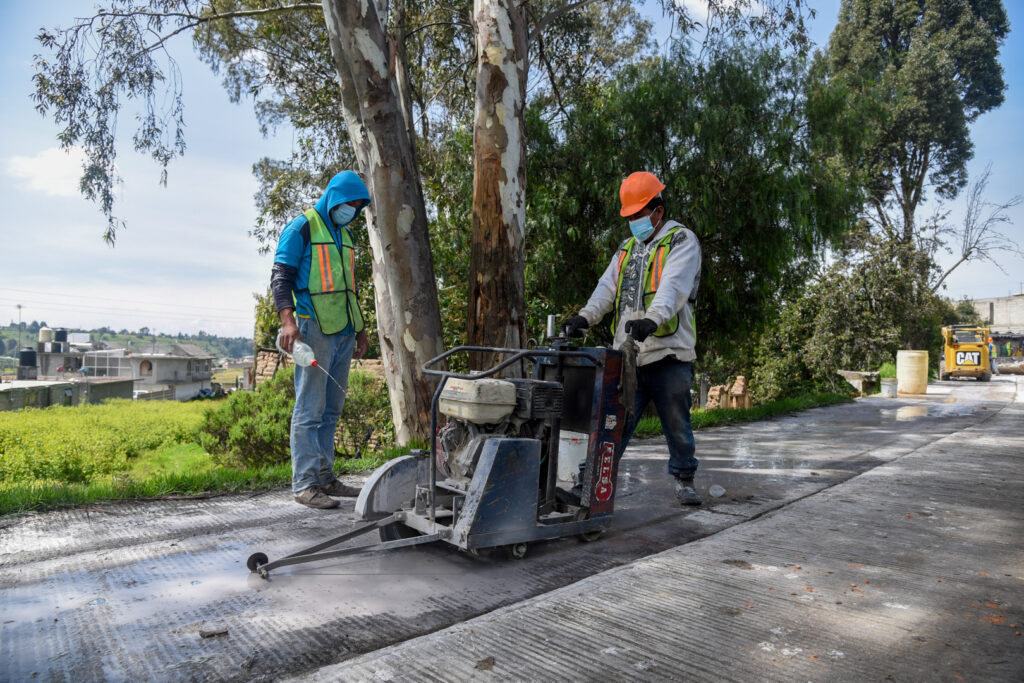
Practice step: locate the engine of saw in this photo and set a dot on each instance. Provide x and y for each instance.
(481, 409)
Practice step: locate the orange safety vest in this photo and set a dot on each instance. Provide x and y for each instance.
(332, 278)
(652, 279)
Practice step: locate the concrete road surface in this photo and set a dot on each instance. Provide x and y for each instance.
(159, 590)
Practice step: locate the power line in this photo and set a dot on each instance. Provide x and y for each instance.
(74, 296)
(176, 315)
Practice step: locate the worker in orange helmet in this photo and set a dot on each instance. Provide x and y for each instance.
(650, 287)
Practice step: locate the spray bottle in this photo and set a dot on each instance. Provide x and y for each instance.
(301, 353)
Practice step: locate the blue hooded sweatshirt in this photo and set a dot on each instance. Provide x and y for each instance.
(293, 245)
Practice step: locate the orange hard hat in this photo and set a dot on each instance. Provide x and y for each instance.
(638, 189)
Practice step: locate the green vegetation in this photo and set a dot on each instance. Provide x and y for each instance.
(80, 444)
(226, 377)
(127, 449)
(204, 479)
(251, 429)
(65, 456)
(887, 370)
(719, 417)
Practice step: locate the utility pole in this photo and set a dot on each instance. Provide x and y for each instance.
(19, 326)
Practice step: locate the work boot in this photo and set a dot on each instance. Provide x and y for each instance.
(313, 497)
(336, 488)
(686, 494)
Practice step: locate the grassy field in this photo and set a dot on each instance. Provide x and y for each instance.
(66, 456)
(62, 456)
(227, 377)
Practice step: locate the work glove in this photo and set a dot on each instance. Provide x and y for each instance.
(574, 326)
(641, 329)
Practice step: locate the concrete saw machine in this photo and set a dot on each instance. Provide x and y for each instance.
(490, 477)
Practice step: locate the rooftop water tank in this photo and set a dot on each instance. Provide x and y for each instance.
(27, 357)
(60, 335)
(45, 335)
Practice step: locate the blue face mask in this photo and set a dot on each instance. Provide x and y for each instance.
(642, 228)
(343, 214)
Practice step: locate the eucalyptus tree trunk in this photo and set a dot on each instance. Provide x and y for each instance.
(408, 318)
(497, 307)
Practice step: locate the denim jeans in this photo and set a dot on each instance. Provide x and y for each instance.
(318, 404)
(667, 383)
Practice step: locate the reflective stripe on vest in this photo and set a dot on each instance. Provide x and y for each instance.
(332, 285)
(652, 279)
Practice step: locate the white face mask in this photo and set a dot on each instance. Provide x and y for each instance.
(343, 214)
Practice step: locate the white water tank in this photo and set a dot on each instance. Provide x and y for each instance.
(45, 335)
(912, 372)
(572, 450)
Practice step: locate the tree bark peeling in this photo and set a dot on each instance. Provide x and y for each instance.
(497, 309)
(403, 270)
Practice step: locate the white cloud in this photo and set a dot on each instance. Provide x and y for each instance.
(698, 9)
(53, 171)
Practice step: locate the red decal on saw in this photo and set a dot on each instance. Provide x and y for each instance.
(605, 485)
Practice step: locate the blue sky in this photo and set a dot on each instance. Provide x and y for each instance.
(186, 262)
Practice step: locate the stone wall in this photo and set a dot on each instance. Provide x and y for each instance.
(268, 360)
(733, 395)
(266, 363)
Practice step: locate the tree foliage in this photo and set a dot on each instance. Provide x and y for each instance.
(731, 136)
(874, 299)
(932, 68)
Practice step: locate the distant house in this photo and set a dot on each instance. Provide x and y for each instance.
(1005, 313)
(184, 369)
(171, 371)
(74, 391)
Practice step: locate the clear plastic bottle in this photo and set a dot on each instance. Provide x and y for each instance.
(301, 353)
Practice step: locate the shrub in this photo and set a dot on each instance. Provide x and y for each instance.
(251, 429)
(366, 407)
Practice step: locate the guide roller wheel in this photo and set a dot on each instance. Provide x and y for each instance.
(255, 561)
(515, 551)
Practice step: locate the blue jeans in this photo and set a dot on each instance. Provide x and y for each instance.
(667, 383)
(318, 404)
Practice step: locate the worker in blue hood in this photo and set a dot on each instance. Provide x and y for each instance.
(314, 288)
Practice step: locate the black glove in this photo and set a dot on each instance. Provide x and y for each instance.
(574, 326)
(641, 329)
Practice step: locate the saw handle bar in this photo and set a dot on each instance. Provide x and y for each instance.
(517, 355)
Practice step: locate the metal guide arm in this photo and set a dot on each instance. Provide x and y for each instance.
(313, 553)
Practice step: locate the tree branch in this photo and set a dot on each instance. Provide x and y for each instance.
(211, 17)
(555, 15)
(551, 76)
(437, 23)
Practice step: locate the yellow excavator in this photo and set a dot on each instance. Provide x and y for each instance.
(965, 353)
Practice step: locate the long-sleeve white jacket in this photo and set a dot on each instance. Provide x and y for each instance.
(679, 282)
